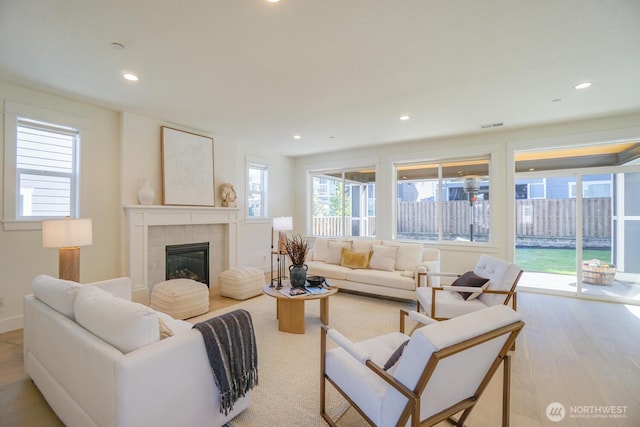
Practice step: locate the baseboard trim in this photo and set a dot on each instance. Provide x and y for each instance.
(11, 324)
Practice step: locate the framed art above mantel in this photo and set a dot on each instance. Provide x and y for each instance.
(187, 168)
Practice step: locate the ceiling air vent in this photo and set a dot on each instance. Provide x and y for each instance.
(491, 125)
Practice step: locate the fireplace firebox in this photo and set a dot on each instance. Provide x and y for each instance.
(189, 261)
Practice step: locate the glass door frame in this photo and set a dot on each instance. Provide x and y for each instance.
(578, 174)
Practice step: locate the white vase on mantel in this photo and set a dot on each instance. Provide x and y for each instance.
(146, 194)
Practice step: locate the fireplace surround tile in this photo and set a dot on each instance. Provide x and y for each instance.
(151, 228)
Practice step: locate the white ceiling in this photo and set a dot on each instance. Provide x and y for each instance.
(337, 72)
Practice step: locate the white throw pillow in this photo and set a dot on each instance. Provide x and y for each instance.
(364, 245)
(334, 255)
(409, 255)
(56, 293)
(124, 324)
(383, 258)
(320, 249)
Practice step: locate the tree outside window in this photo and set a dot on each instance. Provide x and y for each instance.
(343, 203)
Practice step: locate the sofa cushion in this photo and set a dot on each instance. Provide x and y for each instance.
(353, 259)
(334, 253)
(177, 326)
(364, 245)
(383, 258)
(409, 255)
(124, 324)
(320, 249)
(56, 293)
(330, 271)
(388, 279)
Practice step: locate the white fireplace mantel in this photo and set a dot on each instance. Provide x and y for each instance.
(140, 218)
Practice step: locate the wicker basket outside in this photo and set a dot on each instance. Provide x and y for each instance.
(598, 275)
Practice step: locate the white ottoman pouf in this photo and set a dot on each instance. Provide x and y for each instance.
(241, 282)
(180, 298)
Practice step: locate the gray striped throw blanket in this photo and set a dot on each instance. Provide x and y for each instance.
(233, 355)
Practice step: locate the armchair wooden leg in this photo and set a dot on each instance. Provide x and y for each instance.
(323, 385)
(506, 391)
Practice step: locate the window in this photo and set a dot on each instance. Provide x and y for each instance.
(534, 188)
(591, 189)
(46, 165)
(443, 200)
(42, 165)
(257, 180)
(343, 202)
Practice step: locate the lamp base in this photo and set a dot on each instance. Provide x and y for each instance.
(69, 264)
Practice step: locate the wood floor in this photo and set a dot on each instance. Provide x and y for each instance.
(578, 353)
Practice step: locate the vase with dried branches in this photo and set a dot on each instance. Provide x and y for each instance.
(297, 249)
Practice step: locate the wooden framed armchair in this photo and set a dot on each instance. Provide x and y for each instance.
(442, 370)
(445, 302)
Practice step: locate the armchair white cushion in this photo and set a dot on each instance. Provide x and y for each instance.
(445, 302)
(431, 380)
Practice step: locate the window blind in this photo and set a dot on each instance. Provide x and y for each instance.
(45, 167)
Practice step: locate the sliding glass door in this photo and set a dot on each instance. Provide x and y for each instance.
(546, 232)
(610, 265)
(579, 233)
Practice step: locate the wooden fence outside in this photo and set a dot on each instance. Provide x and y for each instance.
(535, 219)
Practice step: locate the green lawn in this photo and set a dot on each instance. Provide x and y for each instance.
(557, 261)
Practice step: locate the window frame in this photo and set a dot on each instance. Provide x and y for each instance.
(264, 166)
(13, 112)
(585, 185)
(367, 200)
(441, 194)
(74, 134)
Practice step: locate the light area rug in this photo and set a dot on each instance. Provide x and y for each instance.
(288, 393)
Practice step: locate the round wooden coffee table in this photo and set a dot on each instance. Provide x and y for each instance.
(290, 310)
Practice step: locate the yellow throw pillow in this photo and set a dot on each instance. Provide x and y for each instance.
(353, 259)
(165, 331)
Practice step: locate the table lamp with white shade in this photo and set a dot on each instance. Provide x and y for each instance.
(67, 235)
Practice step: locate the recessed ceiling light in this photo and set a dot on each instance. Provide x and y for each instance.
(273, 1)
(532, 169)
(582, 85)
(296, 136)
(405, 117)
(130, 76)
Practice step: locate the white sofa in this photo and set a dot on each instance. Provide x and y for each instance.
(392, 268)
(116, 370)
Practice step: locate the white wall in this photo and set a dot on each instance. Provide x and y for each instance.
(22, 256)
(500, 144)
(141, 160)
(120, 150)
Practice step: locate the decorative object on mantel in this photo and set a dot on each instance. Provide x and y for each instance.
(297, 249)
(146, 193)
(67, 235)
(228, 194)
(187, 169)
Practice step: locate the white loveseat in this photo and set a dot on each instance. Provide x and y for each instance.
(390, 270)
(116, 370)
